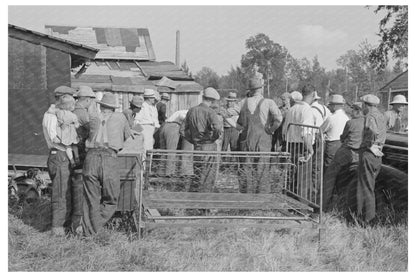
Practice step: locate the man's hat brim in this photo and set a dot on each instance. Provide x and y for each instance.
(107, 105)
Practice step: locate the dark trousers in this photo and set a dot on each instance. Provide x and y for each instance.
(205, 168)
(331, 148)
(169, 139)
(343, 158)
(254, 171)
(101, 189)
(230, 139)
(78, 188)
(368, 168)
(60, 173)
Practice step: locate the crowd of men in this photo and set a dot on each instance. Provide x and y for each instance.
(84, 142)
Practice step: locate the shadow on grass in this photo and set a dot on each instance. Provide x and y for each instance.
(37, 214)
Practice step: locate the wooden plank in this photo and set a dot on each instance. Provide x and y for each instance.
(274, 226)
(217, 201)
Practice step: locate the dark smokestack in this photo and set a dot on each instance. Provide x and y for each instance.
(178, 43)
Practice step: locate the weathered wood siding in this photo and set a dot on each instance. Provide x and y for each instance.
(34, 72)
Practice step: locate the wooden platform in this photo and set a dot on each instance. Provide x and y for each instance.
(241, 201)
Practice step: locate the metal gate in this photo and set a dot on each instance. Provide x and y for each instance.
(306, 182)
(215, 187)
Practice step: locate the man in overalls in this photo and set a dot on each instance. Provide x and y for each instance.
(108, 132)
(259, 118)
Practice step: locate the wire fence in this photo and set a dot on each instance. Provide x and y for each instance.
(306, 147)
(212, 171)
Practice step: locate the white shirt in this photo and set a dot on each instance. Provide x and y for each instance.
(320, 113)
(333, 126)
(147, 115)
(49, 126)
(177, 116)
(300, 113)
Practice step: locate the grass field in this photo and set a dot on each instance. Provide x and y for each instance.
(342, 248)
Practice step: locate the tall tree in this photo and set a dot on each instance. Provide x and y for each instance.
(186, 69)
(271, 59)
(235, 79)
(393, 31)
(207, 77)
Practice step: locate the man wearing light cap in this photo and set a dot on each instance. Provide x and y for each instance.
(59, 168)
(369, 164)
(147, 118)
(135, 107)
(259, 119)
(332, 128)
(202, 128)
(346, 155)
(85, 96)
(295, 97)
(394, 116)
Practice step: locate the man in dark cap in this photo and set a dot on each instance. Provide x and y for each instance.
(59, 167)
(108, 132)
(374, 136)
(259, 118)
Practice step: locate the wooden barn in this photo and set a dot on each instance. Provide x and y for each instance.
(398, 85)
(126, 65)
(38, 63)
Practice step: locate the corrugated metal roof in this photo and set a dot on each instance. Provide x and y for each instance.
(113, 43)
(156, 70)
(398, 82)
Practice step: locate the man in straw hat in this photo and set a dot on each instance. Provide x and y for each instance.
(230, 117)
(346, 155)
(59, 168)
(108, 132)
(130, 113)
(394, 116)
(259, 118)
(333, 126)
(147, 118)
(374, 136)
(202, 128)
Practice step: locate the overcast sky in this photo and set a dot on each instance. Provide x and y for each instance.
(214, 36)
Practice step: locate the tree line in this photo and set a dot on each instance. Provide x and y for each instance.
(359, 71)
